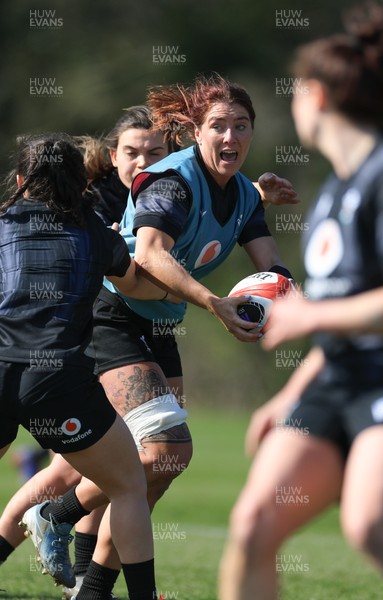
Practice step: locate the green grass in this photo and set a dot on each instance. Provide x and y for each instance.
(190, 527)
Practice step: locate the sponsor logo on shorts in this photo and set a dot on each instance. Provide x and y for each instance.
(48, 427)
(78, 437)
(71, 426)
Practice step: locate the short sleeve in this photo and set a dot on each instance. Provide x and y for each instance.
(163, 204)
(120, 257)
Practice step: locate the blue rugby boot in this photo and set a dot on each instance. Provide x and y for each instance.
(51, 540)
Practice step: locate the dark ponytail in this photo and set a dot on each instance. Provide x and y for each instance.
(53, 170)
(350, 65)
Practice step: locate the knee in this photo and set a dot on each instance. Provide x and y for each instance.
(256, 530)
(162, 467)
(62, 474)
(169, 463)
(246, 526)
(70, 477)
(364, 535)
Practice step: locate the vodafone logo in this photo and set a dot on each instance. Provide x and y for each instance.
(324, 250)
(208, 253)
(71, 426)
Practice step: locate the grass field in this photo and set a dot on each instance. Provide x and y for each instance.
(190, 527)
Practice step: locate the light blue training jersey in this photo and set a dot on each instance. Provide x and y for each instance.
(204, 243)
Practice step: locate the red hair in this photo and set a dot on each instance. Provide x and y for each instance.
(178, 109)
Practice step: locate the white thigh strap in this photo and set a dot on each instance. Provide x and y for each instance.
(154, 416)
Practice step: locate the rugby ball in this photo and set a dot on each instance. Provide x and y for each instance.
(263, 288)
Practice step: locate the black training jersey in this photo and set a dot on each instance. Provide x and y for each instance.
(343, 247)
(110, 197)
(51, 273)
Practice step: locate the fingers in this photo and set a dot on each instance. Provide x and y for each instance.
(244, 335)
(267, 179)
(225, 310)
(278, 190)
(248, 325)
(288, 197)
(270, 180)
(291, 317)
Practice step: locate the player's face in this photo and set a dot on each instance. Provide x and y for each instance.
(137, 149)
(224, 139)
(305, 109)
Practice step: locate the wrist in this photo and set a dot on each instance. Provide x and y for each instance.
(312, 317)
(281, 271)
(211, 303)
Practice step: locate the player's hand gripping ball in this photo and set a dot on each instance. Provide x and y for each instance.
(263, 288)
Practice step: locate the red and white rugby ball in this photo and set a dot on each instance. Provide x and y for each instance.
(263, 288)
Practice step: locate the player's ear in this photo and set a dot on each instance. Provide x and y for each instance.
(19, 180)
(319, 92)
(112, 154)
(197, 135)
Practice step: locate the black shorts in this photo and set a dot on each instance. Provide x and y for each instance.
(64, 409)
(122, 337)
(338, 408)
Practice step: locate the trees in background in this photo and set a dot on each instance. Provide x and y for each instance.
(74, 65)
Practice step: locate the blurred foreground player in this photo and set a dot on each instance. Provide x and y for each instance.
(336, 397)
